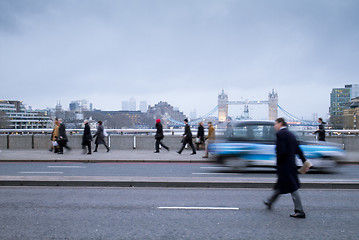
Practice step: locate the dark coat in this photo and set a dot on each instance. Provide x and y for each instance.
(321, 132)
(100, 137)
(187, 133)
(62, 133)
(200, 133)
(87, 137)
(159, 133)
(286, 148)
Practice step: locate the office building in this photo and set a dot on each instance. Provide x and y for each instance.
(15, 116)
(351, 114)
(339, 98)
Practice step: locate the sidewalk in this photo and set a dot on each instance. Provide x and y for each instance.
(77, 155)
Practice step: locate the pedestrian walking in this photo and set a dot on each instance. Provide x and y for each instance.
(210, 138)
(159, 136)
(54, 137)
(87, 138)
(62, 139)
(200, 135)
(286, 149)
(321, 130)
(100, 136)
(187, 138)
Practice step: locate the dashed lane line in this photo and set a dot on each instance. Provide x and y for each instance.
(199, 208)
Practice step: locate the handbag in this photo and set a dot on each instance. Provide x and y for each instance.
(198, 140)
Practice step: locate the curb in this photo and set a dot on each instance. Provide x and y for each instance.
(135, 160)
(174, 184)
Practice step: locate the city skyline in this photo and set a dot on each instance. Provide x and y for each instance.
(181, 52)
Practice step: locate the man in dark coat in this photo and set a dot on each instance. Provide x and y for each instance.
(100, 137)
(321, 130)
(62, 140)
(286, 149)
(187, 138)
(159, 136)
(87, 138)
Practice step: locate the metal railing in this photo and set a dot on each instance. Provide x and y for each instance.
(148, 131)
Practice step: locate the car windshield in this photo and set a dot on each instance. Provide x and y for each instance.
(260, 132)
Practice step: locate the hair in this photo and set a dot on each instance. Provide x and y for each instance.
(100, 122)
(320, 119)
(56, 119)
(209, 122)
(282, 121)
(186, 120)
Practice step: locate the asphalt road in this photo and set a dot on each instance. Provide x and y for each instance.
(147, 213)
(155, 170)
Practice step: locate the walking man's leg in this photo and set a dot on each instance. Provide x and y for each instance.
(298, 208)
(272, 199)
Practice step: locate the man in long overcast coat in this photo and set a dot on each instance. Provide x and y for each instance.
(286, 148)
(187, 138)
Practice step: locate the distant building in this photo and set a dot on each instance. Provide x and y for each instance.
(143, 106)
(80, 106)
(14, 116)
(339, 98)
(351, 114)
(193, 114)
(118, 119)
(167, 113)
(125, 106)
(132, 105)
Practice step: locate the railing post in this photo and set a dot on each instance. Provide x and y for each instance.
(33, 141)
(109, 140)
(134, 142)
(8, 141)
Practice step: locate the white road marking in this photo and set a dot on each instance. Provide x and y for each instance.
(66, 167)
(211, 167)
(211, 173)
(42, 172)
(199, 208)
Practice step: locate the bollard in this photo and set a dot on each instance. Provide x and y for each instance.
(134, 142)
(33, 141)
(109, 140)
(8, 141)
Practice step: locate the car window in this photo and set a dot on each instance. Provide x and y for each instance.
(254, 132)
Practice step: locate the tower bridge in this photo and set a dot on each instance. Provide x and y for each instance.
(223, 103)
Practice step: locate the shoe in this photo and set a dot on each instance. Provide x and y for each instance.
(88, 153)
(193, 153)
(168, 149)
(205, 157)
(179, 152)
(298, 215)
(108, 149)
(95, 151)
(268, 204)
(157, 152)
(60, 153)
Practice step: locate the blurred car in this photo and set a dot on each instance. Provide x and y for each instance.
(252, 144)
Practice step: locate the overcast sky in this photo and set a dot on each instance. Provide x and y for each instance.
(182, 52)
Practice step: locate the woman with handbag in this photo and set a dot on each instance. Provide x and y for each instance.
(100, 137)
(200, 135)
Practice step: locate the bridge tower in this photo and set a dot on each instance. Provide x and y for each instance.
(222, 107)
(273, 105)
